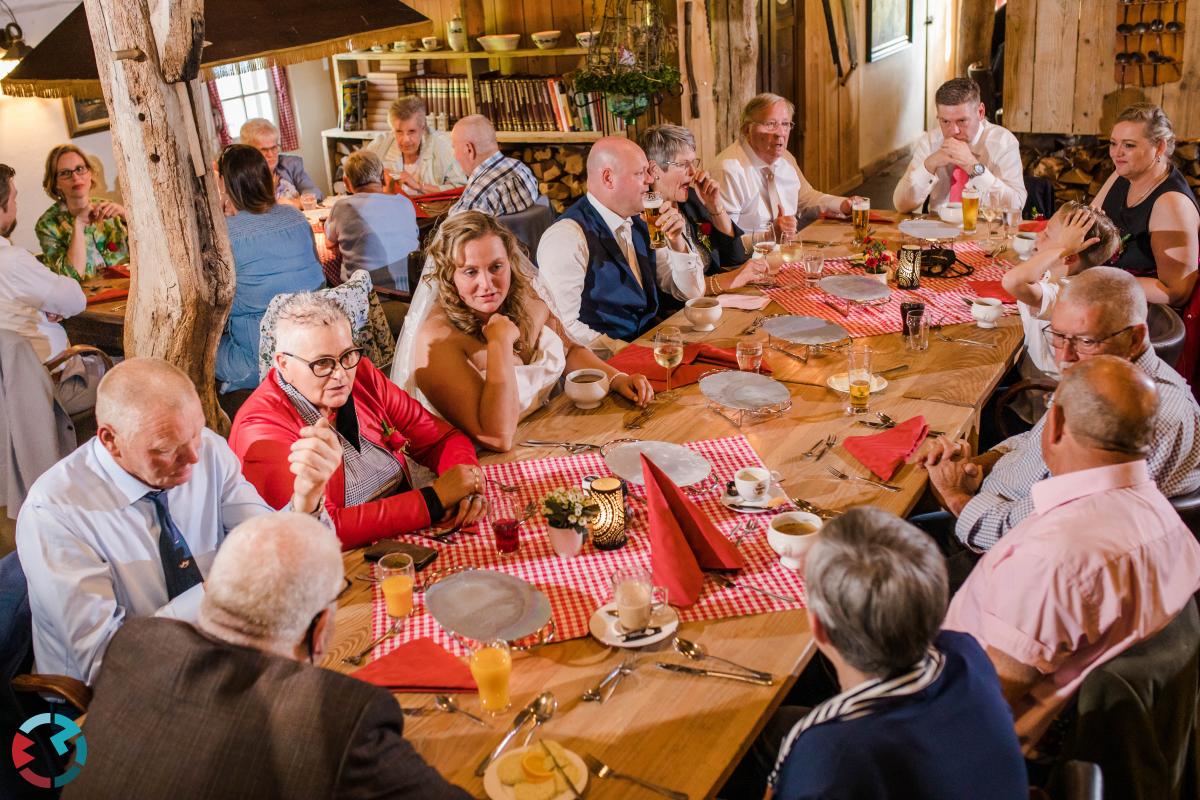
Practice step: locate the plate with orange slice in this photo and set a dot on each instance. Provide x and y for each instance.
(528, 773)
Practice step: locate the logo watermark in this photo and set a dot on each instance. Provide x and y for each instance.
(23, 747)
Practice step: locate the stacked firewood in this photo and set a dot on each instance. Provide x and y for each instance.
(560, 170)
(1077, 166)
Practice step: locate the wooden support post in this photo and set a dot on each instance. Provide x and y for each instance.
(976, 18)
(183, 277)
(734, 27)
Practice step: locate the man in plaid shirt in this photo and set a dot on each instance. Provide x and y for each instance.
(1101, 311)
(496, 184)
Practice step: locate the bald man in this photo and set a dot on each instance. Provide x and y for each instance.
(497, 185)
(1103, 561)
(255, 717)
(128, 524)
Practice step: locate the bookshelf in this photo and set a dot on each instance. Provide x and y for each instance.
(475, 67)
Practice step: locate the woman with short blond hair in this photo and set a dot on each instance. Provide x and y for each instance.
(419, 159)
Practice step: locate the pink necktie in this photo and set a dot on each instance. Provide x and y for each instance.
(958, 182)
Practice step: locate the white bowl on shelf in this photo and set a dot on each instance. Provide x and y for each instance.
(546, 40)
(585, 38)
(499, 42)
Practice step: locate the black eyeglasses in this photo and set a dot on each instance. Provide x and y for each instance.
(82, 169)
(694, 164)
(1087, 345)
(323, 367)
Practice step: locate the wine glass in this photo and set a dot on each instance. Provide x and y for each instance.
(991, 210)
(668, 349)
(764, 240)
(397, 578)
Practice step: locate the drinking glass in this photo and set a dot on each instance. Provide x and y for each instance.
(506, 525)
(1011, 218)
(308, 200)
(491, 667)
(397, 578)
(858, 378)
(668, 349)
(916, 328)
(791, 249)
(749, 355)
(860, 213)
(652, 204)
(636, 598)
(813, 265)
(764, 240)
(970, 209)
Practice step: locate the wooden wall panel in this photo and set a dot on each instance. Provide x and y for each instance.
(1018, 64)
(831, 112)
(1093, 66)
(1056, 30)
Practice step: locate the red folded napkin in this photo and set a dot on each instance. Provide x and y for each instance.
(683, 541)
(883, 453)
(104, 295)
(993, 289)
(876, 218)
(697, 359)
(1033, 226)
(421, 665)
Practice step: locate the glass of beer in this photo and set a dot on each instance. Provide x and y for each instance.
(668, 349)
(970, 209)
(491, 667)
(397, 578)
(858, 378)
(652, 207)
(860, 215)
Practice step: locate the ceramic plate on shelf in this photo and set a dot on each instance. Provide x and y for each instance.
(841, 383)
(745, 391)
(929, 229)
(855, 288)
(682, 466)
(482, 604)
(607, 629)
(804, 330)
(508, 766)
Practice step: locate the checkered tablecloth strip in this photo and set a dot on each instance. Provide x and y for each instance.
(578, 586)
(942, 296)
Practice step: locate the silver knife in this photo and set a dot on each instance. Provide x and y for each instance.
(518, 722)
(715, 673)
(560, 770)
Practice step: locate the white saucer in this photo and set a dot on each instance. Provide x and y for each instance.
(499, 791)
(839, 383)
(733, 501)
(605, 628)
(930, 229)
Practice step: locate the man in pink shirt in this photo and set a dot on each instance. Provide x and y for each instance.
(1102, 563)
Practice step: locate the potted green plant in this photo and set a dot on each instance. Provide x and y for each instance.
(568, 514)
(628, 88)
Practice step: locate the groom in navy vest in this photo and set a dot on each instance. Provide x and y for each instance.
(596, 258)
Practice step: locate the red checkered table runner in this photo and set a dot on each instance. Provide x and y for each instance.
(942, 296)
(578, 586)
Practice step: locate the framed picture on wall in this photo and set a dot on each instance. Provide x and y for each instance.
(889, 27)
(85, 115)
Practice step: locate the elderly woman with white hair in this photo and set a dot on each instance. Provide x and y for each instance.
(420, 160)
(761, 183)
(371, 229)
(291, 179)
(319, 373)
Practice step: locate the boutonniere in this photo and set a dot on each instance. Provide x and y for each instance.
(394, 439)
(706, 228)
(703, 231)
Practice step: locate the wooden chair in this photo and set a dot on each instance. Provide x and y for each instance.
(529, 225)
(84, 421)
(1166, 332)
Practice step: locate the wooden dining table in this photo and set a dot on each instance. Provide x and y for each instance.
(685, 732)
(101, 324)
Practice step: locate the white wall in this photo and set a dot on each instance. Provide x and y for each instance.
(316, 110)
(893, 94)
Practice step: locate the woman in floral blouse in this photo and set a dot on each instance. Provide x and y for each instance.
(79, 234)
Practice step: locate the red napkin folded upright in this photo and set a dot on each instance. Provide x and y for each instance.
(104, 295)
(697, 359)
(421, 665)
(875, 218)
(994, 289)
(1033, 226)
(682, 540)
(883, 453)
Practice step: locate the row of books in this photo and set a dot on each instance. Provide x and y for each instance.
(443, 94)
(522, 104)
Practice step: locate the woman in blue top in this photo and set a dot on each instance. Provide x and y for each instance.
(273, 252)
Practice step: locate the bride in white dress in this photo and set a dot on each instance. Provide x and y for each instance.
(480, 345)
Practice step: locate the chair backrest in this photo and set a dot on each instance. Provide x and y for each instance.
(368, 323)
(1187, 506)
(1039, 195)
(1084, 781)
(1166, 332)
(16, 622)
(981, 73)
(530, 224)
(1136, 714)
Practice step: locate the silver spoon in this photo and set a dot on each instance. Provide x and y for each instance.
(448, 704)
(357, 659)
(544, 706)
(696, 652)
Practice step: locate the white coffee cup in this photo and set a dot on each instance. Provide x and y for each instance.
(703, 313)
(787, 536)
(636, 598)
(753, 483)
(986, 310)
(430, 43)
(1023, 245)
(586, 387)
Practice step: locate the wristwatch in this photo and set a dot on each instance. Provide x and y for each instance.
(977, 170)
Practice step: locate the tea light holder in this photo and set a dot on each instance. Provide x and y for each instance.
(908, 272)
(608, 526)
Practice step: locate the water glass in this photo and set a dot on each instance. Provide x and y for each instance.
(491, 667)
(858, 379)
(749, 355)
(813, 265)
(916, 328)
(309, 201)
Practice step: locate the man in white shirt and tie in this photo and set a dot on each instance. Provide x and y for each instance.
(964, 148)
(128, 524)
(597, 259)
(760, 181)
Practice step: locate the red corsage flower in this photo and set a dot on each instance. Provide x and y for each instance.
(112, 246)
(393, 438)
(706, 228)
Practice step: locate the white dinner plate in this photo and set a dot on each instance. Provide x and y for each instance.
(682, 466)
(929, 229)
(607, 630)
(738, 505)
(840, 383)
(744, 391)
(855, 288)
(798, 329)
(499, 791)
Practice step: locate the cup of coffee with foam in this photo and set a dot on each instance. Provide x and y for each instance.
(791, 534)
(586, 387)
(636, 598)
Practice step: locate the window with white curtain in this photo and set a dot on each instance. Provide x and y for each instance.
(246, 96)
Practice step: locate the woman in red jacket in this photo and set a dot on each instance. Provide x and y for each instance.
(318, 373)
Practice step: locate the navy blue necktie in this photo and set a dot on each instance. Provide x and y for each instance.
(178, 565)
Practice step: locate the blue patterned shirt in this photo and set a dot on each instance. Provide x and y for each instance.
(498, 186)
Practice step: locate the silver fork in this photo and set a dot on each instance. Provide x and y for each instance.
(812, 451)
(830, 441)
(841, 476)
(889, 422)
(956, 340)
(749, 526)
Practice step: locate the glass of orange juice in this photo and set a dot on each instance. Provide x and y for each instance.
(491, 667)
(397, 577)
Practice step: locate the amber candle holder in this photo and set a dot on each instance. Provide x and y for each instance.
(608, 526)
(908, 272)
